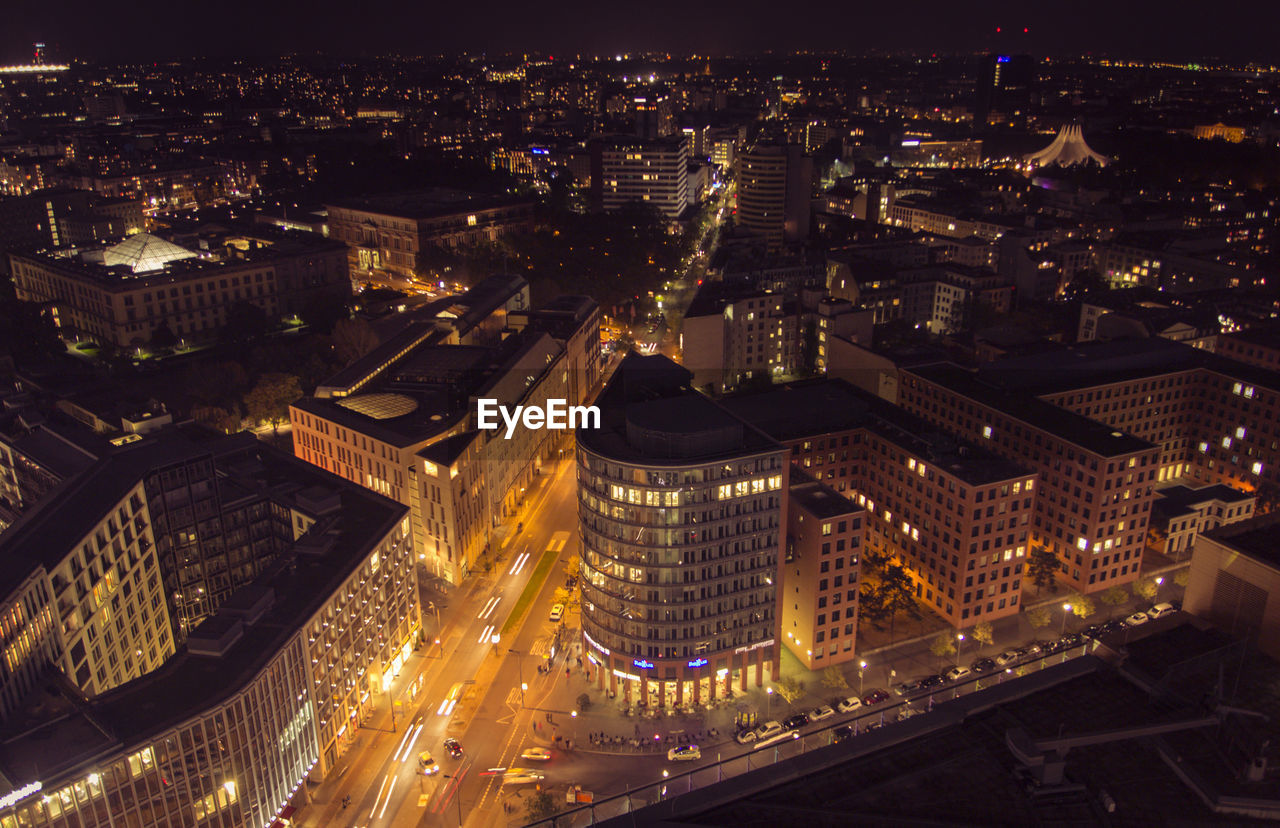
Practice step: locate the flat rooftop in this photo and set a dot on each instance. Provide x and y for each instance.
(190, 684)
(1256, 537)
(1076, 429)
(813, 408)
(423, 204)
(650, 414)
(1121, 360)
(819, 499)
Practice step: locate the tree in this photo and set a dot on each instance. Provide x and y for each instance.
(163, 337)
(1115, 596)
(1042, 568)
(540, 806)
(1146, 587)
(943, 645)
(1182, 577)
(216, 418)
(573, 567)
(584, 702)
(216, 383)
(268, 400)
(790, 688)
(245, 322)
(352, 339)
(983, 633)
(322, 312)
(833, 678)
(1082, 605)
(1039, 617)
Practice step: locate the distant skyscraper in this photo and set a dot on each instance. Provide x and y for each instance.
(773, 192)
(1004, 85)
(654, 118)
(654, 172)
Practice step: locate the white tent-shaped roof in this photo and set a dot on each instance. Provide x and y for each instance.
(1068, 149)
(143, 252)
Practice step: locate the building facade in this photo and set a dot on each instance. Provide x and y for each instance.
(818, 579)
(682, 514)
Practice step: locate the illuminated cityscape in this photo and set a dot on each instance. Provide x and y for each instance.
(721, 423)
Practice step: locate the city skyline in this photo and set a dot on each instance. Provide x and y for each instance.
(151, 31)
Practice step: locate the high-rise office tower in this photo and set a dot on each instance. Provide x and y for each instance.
(681, 505)
(773, 192)
(1004, 85)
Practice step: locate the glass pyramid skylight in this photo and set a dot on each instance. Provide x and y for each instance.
(143, 252)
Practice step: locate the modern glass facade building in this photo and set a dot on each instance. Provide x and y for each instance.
(681, 508)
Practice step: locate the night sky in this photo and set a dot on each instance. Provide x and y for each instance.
(148, 29)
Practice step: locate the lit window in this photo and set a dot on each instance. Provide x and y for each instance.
(1226, 442)
(1240, 433)
(986, 432)
(1257, 468)
(1083, 544)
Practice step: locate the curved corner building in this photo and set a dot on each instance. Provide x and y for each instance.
(681, 506)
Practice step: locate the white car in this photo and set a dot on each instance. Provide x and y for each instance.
(521, 776)
(684, 753)
(745, 737)
(849, 705)
(768, 730)
(1160, 611)
(957, 673)
(557, 612)
(427, 763)
(536, 754)
(817, 714)
(1137, 619)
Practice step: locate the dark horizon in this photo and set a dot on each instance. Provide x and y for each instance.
(1238, 31)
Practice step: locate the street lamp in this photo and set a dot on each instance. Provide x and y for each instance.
(769, 692)
(1066, 610)
(862, 666)
(959, 644)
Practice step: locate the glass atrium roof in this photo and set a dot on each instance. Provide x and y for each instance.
(380, 406)
(143, 252)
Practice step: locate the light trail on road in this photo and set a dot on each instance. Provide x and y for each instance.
(484, 636)
(521, 560)
(487, 612)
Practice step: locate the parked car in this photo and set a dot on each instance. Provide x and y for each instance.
(875, 697)
(906, 688)
(453, 747)
(840, 734)
(745, 737)
(536, 754)
(1035, 647)
(768, 730)
(1007, 657)
(557, 612)
(1137, 619)
(1071, 640)
(795, 722)
(1112, 626)
(684, 753)
(849, 705)
(983, 665)
(817, 714)
(427, 764)
(932, 681)
(957, 673)
(1160, 611)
